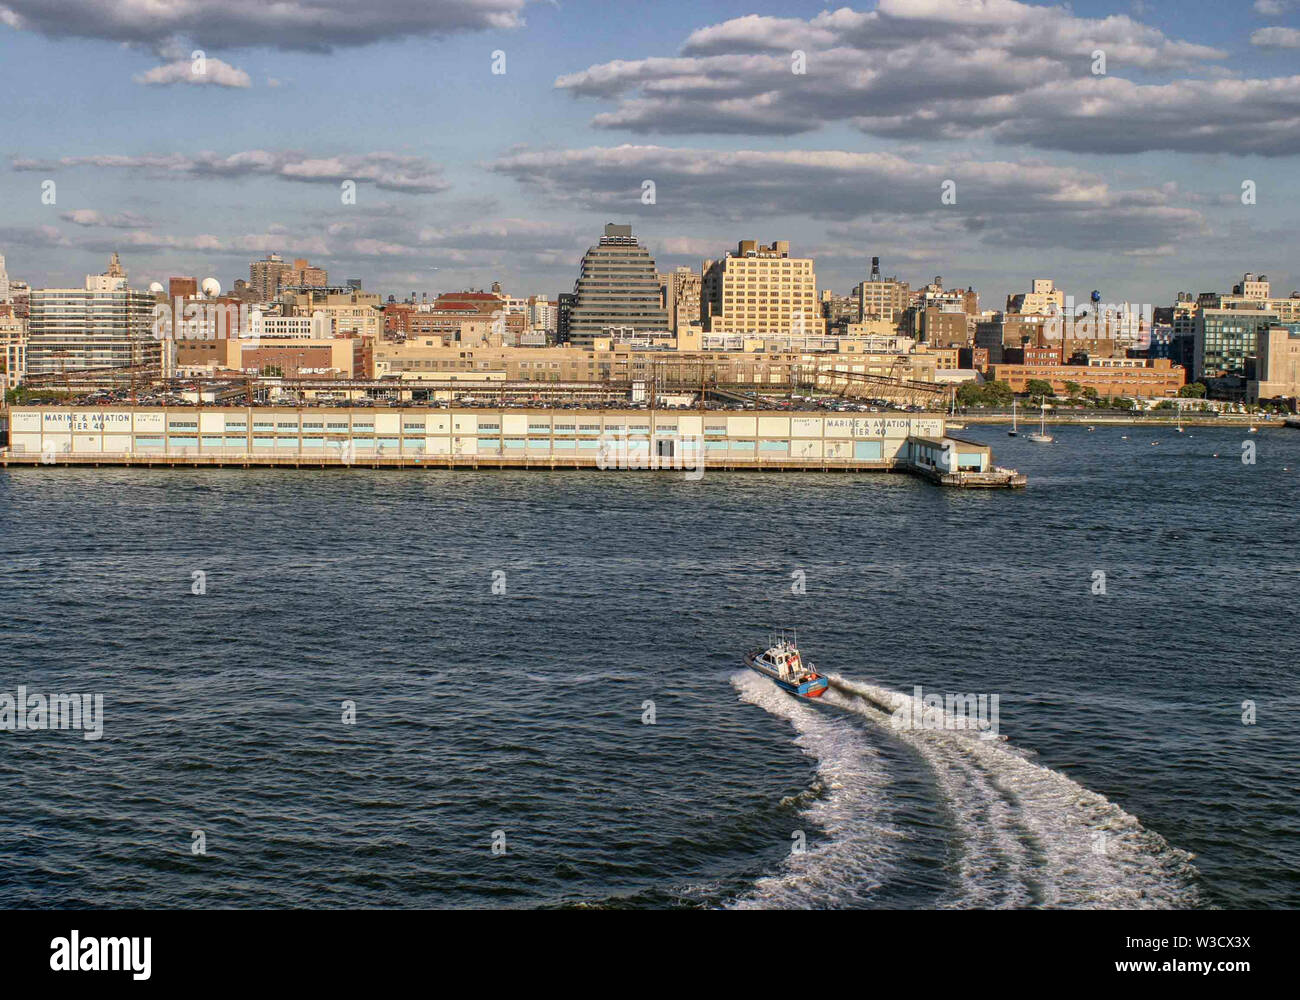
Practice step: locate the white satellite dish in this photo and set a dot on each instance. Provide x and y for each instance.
(211, 287)
(156, 287)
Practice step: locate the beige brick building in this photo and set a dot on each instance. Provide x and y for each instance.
(430, 358)
(353, 313)
(1276, 366)
(761, 289)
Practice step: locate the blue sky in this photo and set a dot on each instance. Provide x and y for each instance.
(1129, 181)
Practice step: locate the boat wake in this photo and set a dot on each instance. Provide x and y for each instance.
(1024, 835)
(861, 848)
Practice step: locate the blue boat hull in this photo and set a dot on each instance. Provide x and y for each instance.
(814, 688)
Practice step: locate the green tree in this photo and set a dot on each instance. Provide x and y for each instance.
(1072, 389)
(1193, 390)
(1039, 387)
(998, 393)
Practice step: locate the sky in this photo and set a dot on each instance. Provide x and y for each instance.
(1140, 149)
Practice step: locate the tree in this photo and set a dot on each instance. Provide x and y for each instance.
(971, 394)
(1193, 390)
(1040, 387)
(998, 393)
(1073, 389)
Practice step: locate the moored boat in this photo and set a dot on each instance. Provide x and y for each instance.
(783, 663)
(1041, 436)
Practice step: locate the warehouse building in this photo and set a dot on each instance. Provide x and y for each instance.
(301, 434)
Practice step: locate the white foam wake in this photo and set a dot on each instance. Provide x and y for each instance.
(1030, 835)
(862, 848)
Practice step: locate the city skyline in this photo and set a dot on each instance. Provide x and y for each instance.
(1117, 181)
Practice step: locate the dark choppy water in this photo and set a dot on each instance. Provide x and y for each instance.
(522, 712)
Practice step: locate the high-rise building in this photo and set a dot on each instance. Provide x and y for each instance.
(681, 290)
(264, 276)
(354, 313)
(617, 290)
(761, 289)
(1042, 297)
(303, 275)
(881, 298)
(1276, 369)
(542, 314)
(563, 311)
(106, 324)
(1225, 338)
(4, 281)
(13, 347)
(1253, 286)
(839, 311)
(19, 296)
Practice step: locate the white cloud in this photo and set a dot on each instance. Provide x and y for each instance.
(1276, 38)
(33, 236)
(1003, 203)
(311, 25)
(1114, 115)
(215, 73)
(90, 217)
(387, 171)
(934, 69)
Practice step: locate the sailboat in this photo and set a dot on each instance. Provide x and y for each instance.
(952, 424)
(1013, 432)
(1041, 437)
(1180, 420)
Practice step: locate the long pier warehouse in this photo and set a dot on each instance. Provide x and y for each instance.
(508, 437)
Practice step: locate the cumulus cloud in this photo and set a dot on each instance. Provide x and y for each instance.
(933, 69)
(488, 242)
(36, 237)
(142, 241)
(215, 73)
(387, 171)
(1113, 115)
(310, 25)
(1276, 38)
(1003, 203)
(381, 237)
(90, 217)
